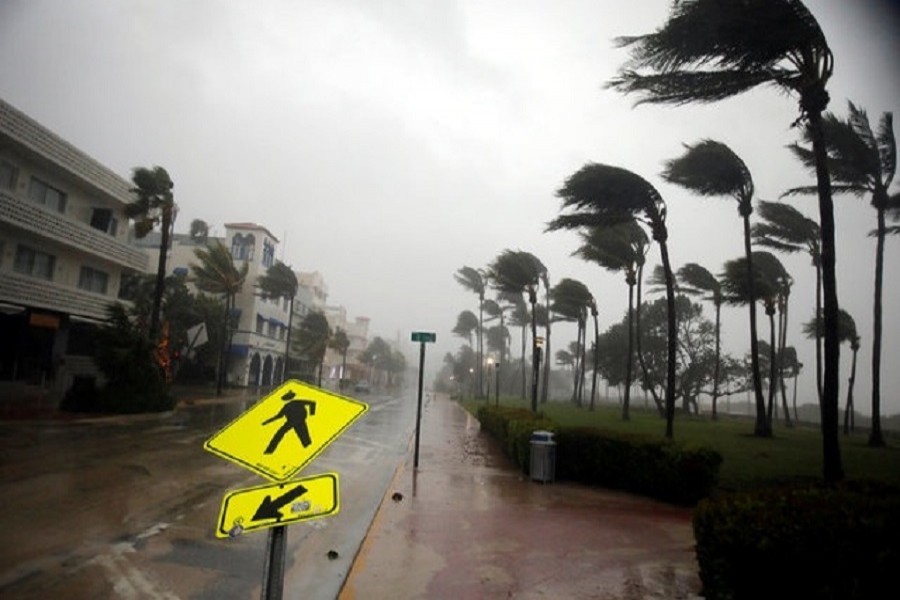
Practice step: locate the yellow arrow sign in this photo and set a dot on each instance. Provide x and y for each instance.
(276, 504)
(283, 432)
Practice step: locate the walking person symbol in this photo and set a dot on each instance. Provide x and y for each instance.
(294, 414)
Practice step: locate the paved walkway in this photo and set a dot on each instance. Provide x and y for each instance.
(467, 524)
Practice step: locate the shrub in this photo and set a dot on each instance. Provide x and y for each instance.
(799, 542)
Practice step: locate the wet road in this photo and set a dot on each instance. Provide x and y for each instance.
(126, 507)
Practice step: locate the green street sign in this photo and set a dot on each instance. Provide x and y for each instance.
(423, 336)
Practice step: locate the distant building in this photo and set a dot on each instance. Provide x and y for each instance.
(258, 345)
(63, 247)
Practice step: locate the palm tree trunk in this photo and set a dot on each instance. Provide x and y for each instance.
(833, 470)
(596, 355)
(715, 394)
(782, 344)
(818, 328)
(773, 363)
(481, 345)
(627, 400)
(524, 336)
(640, 353)
(672, 335)
(761, 428)
(532, 299)
(545, 383)
(167, 223)
(581, 377)
(848, 410)
(876, 438)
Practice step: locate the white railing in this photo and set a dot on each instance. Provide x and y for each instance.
(31, 291)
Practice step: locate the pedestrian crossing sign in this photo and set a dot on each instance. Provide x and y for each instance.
(282, 433)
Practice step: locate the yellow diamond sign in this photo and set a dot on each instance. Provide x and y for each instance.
(278, 504)
(283, 432)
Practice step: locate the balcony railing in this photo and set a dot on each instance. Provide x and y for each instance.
(49, 295)
(27, 215)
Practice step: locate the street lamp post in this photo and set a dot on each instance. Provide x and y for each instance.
(490, 364)
(497, 386)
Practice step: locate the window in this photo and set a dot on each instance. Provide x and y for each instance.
(102, 219)
(33, 262)
(7, 175)
(242, 246)
(268, 253)
(43, 193)
(92, 280)
(271, 331)
(260, 324)
(281, 332)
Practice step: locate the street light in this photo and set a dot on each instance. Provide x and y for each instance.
(497, 386)
(472, 381)
(490, 363)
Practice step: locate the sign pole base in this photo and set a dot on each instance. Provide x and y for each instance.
(273, 577)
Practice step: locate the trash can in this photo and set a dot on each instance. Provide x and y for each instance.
(543, 456)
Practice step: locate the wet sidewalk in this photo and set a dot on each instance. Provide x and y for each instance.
(468, 524)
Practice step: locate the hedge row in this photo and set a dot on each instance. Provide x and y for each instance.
(800, 542)
(672, 472)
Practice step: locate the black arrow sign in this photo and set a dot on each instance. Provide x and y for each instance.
(269, 508)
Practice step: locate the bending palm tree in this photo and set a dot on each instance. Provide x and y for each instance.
(710, 50)
(313, 337)
(279, 281)
(786, 229)
(155, 204)
(813, 328)
(518, 272)
(217, 274)
(570, 302)
(466, 323)
(711, 168)
(768, 275)
(621, 247)
(863, 162)
(472, 280)
(341, 343)
(601, 196)
(697, 281)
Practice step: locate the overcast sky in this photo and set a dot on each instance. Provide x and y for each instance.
(389, 143)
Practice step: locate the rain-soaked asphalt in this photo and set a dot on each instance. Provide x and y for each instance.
(126, 507)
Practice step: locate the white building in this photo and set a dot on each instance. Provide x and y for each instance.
(63, 246)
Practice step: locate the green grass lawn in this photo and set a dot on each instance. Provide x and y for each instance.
(793, 454)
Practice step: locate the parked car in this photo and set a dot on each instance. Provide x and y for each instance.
(362, 387)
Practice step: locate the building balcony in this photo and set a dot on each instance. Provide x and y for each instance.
(24, 214)
(40, 293)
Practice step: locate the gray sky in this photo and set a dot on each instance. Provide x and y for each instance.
(390, 143)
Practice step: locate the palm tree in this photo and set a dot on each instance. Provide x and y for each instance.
(711, 168)
(279, 281)
(861, 162)
(620, 247)
(473, 280)
(519, 272)
(786, 229)
(768, 276)
(600, 195)
(696, 280)
(710, 50)
(216, 273)
(341, 343)
(313, 337)
(813, 328)
(545, 315)
(466, 323)
(570, 302)
(155, 205)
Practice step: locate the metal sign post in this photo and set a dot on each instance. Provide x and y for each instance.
(422, 337)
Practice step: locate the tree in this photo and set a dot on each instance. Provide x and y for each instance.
(341, 343)
(520, 273)
(217, 274)
(710, 50)
(600, 195)
(861, 162)
(621, 247)
(155, 205)
(473, 280)
(279, 281)
(813, 328)
(696, 280)
(570, 301)
(768, 277)
(711, 168)
(786, 229)
(313, 337)
(466, 323)
(199, 231)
